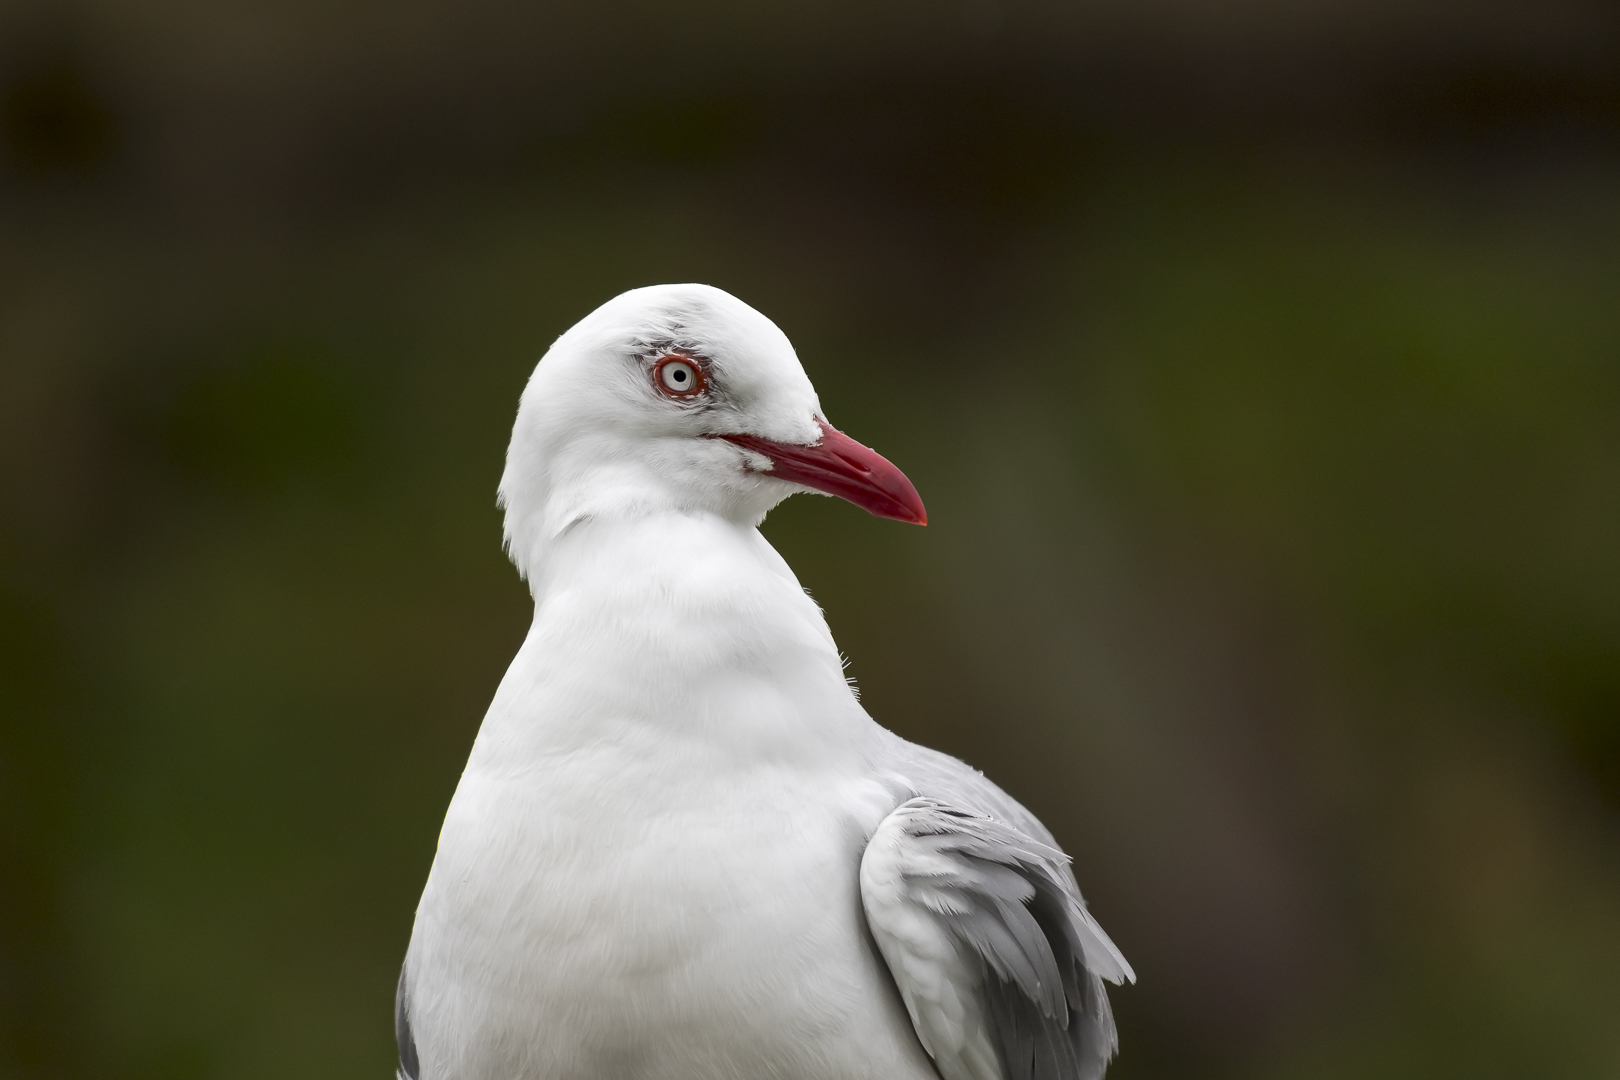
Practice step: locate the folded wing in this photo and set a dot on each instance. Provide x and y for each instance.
(999, 963)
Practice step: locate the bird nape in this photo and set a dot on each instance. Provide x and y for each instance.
(680, 847)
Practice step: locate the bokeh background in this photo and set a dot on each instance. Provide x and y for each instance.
(1259, 363)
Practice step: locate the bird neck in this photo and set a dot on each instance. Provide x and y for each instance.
(552, 492)
(673, 634)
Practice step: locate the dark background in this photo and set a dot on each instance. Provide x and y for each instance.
(1259, 363)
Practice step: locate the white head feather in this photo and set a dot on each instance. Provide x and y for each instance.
(595, 438)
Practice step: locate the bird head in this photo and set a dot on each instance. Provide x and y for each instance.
(683, 398)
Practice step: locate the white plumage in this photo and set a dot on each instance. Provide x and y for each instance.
(653, 865)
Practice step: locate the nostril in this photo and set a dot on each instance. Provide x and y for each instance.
(861, 466)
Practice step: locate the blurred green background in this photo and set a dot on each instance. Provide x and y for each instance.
(1259, 364)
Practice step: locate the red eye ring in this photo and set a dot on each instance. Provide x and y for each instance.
(679, 376)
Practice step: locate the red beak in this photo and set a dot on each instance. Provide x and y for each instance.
(839, 465)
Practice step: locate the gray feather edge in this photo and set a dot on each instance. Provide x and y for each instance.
(410, 1068)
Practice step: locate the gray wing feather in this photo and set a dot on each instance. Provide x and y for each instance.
(991, 881)
(942, 777)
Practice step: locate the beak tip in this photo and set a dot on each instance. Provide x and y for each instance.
(909, 515)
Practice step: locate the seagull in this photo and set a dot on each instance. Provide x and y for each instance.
(681, 849)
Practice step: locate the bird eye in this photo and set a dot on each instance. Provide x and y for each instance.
(679, 377)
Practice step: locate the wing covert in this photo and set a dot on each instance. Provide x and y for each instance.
(999, 964)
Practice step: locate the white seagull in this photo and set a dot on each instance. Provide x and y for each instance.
(680, 849)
